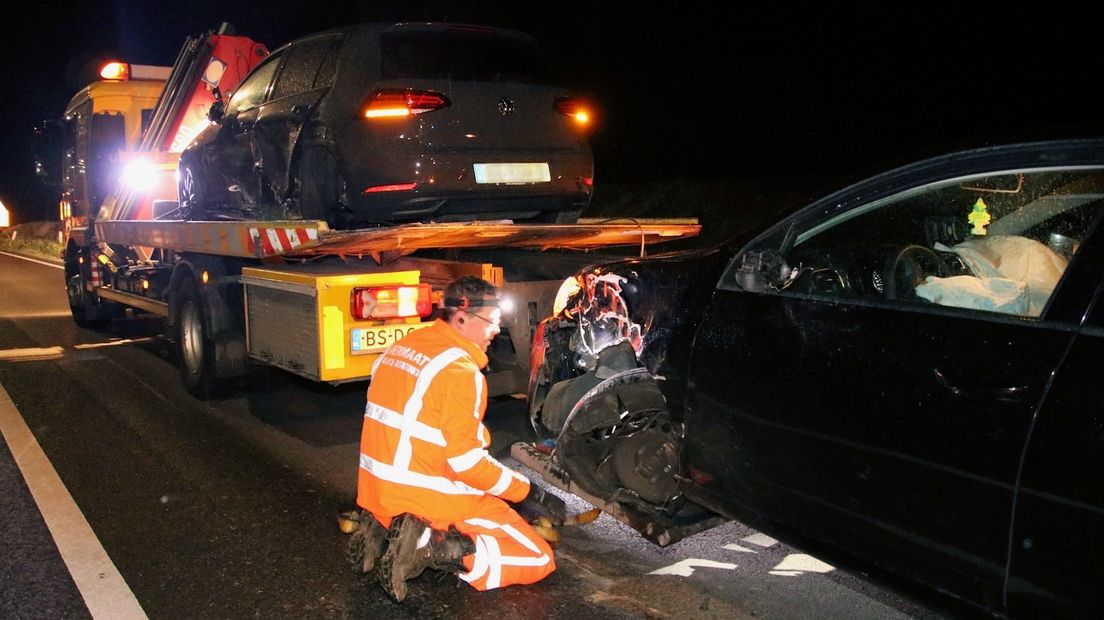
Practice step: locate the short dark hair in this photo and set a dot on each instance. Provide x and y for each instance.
(465, 288)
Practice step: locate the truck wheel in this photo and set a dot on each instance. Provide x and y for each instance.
(195, 350)
(321, 187)
(77, 296)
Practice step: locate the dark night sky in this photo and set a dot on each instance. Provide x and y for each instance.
(685, 91)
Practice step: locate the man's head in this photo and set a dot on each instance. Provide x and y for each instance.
(471, 307)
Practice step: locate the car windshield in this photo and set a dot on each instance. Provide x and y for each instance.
(468, 55)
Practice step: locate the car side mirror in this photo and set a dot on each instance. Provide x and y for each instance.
(218, 107)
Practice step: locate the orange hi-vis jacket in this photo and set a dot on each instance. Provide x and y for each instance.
(423, 447)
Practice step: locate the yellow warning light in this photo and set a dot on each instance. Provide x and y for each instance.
(115, 71)
(80, 260)
(205, 277)
(145, 285)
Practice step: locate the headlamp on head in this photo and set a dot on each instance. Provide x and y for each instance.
(463, 303)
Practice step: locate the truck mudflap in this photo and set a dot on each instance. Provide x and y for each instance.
(659, 528)
(300, 238)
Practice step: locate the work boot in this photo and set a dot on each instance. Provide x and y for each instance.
(413, 547)
(366, 542)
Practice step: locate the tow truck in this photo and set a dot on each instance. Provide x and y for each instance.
(319, 303)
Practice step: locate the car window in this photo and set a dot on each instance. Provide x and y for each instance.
(303, 65)
(251, 92)
(471, 55)
(996, 243)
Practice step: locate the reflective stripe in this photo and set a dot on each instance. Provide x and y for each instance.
(494, 563)
(391, 473)
(413, 407)
(522, 539)
(466, 461)
(479, 380)
(504, 480)
(481, 562)
(391, 418)
(488, 554)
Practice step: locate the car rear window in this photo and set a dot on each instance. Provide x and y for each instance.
(470, 55)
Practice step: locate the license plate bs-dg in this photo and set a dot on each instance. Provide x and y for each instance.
(377, 339)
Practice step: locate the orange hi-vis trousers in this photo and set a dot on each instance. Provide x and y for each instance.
(508, 551)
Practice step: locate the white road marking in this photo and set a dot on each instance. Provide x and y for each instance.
(786, 573)
(105, 592)
(32, 354)
(802, 563)
(118, 342)
(686, 567)
(40, 262)
(761, 540)
(735, 547)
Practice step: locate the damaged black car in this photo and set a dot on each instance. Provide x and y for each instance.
(900, 377)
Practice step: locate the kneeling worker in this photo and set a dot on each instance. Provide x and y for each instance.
(432, 493)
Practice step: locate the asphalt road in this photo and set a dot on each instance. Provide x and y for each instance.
(227, 508)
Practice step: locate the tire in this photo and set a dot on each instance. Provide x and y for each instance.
(79, 299)
(195, 350)
(321, 186)
(190, 194)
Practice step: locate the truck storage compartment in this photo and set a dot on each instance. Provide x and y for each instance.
(301, 321)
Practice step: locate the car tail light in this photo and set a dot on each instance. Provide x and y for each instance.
(397, 187)
(391, 302)
(402, 103)
(574, 107)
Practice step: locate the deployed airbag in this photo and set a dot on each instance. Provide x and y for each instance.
(999, 257)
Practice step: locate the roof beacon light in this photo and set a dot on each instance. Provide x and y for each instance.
(115, 71)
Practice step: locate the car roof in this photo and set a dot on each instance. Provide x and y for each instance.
(374, 29)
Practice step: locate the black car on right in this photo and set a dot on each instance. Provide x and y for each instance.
(901, 377)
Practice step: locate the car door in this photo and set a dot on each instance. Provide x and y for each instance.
(1056, 548)
(228, 159)
(305, 76)
(833, 398)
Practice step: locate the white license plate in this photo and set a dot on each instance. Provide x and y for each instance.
(512, 173)
(377, 339)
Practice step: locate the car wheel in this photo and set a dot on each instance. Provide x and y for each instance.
(190, 194)
(321, 188)
(621, 436)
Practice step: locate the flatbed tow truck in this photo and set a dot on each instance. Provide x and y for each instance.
(322, 304)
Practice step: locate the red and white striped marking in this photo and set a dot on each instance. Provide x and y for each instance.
(280, 240)
(94, 269)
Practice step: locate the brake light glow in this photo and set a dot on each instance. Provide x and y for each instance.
(403, 103)
(115, 71)
(391, 302)
(399, 187)
(575, 108)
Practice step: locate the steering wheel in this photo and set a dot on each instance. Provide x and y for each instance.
(908, 268)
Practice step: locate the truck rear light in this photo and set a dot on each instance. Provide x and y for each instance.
(391, 302)
(403, 103)
(574, 107)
